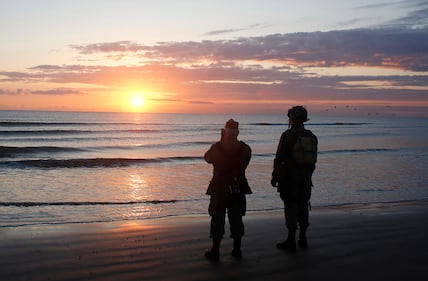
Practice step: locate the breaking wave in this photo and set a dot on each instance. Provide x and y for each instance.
(312, 124)
(125, 162)
(10, 151)
(44, 204)
(93, 162)
(365, 150)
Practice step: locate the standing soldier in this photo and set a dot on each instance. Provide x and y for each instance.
(227, 189)
(292, 174)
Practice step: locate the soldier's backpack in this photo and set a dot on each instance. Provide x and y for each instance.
(305, 150)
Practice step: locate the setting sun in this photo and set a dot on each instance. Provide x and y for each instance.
(138, 101)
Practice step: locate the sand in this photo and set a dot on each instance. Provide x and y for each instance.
(360, 242)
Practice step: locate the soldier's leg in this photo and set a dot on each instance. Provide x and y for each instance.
(217, 213)
(290, 209)
(303, 217)
(235, 213)
(237, 231)
(216, 234)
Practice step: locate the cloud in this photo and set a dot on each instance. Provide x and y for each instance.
(413, 4)
(351, 22)
(233, 30)
(58, 91)
(384, 5)
(417, 16)
(400, 43)
(109, 47)
(416, 20)
(181, 100)
(166, 100)
(5, 92)
(199, 102)
(53, 92)
(403, 48)
(219, 80)
(16, 92)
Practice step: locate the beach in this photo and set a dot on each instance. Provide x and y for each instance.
(384, 241)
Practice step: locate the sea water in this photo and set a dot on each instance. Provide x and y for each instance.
(74, 167)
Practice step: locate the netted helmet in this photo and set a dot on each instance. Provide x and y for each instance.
(298, 114)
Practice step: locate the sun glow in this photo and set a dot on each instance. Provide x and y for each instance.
(138, 101)
(135, 101)
(132, 101)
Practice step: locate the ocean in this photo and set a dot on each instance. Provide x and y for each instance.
(75, 167)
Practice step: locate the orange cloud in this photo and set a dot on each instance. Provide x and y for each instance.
(253, 74)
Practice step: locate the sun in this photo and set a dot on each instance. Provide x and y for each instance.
(138, 101)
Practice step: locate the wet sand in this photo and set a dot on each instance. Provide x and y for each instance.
(360, 242)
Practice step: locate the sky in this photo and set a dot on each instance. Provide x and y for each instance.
(335, 57)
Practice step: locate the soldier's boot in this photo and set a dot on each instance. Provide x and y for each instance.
(289, 245)
(214, 253)
(236, 251)
(303, 241)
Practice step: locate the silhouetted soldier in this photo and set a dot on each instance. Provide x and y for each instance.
(230, 158)
(292, 173)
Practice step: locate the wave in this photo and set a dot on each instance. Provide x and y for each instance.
(125, 162)
(38, 124)
(338, 151)
(340, 124)
(43, 132)
(156, 145)
(87, 203)
(375, 190)
(48, 124)
(93, 162)
(363, 150)
(7, 133)
(267, 124)
(312, 124)
(10, 151)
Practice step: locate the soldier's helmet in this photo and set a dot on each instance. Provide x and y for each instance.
(298, 114)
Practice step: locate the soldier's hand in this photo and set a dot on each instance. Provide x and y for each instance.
(274, 182)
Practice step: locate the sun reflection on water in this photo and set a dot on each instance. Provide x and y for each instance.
(137, 186)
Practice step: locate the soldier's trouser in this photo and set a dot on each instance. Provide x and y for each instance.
(235, 211)
(296, 207)
(296, 213)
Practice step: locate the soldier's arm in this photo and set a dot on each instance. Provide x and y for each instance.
(209, 155)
